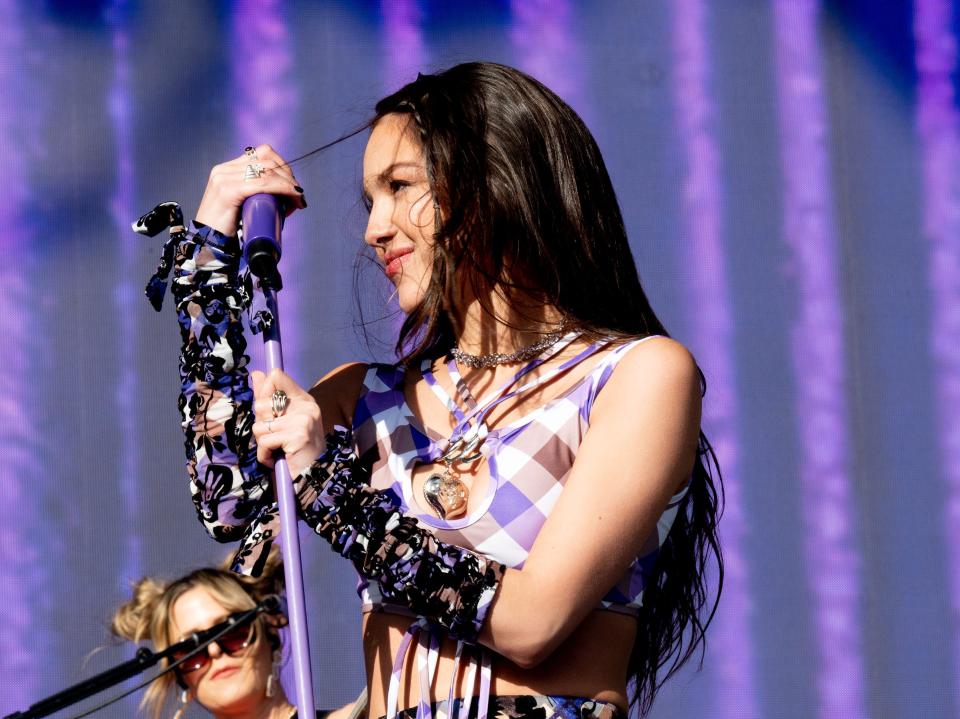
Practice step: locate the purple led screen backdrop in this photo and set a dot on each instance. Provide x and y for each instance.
(789, 171)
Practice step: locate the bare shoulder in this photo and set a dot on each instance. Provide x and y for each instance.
(651, 404)
(337, 392)
(657, 370)
(663, 356)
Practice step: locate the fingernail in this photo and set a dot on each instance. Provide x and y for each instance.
(298, 189)
(304, 200)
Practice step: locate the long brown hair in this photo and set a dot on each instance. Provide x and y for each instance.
(527, 205)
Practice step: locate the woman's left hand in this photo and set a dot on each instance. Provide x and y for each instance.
(298, 430)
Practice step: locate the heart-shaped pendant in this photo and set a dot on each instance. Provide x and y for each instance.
(446, 495)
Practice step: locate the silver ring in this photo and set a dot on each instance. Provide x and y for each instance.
(250, 152)
(279, 402)
(252, 171)
(269, 427)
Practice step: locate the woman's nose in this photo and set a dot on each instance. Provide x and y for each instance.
(214, 650)
(380, 226)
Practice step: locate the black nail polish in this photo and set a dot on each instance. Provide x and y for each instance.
(298, 189)
(304, 201)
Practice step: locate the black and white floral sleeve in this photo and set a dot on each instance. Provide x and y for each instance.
(231, 491)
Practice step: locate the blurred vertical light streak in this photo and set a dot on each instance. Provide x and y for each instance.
(939, 133)
(404, 55)
(266, 100)
(404, 51)
(25, 645)
(546, 46)
(265, 104)
(128, 297)
(831, 552)
(709, 294)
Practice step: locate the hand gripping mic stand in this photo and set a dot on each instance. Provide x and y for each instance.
(262, 222)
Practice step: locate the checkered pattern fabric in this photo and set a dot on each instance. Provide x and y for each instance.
(529, 461)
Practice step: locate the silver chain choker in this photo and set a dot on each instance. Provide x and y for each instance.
(521, 355)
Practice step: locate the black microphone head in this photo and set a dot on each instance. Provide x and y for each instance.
(272, 604)
(262, 257)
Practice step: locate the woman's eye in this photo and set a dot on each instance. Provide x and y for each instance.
(397, 185)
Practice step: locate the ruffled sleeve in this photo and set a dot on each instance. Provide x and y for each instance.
(231, 491)
(451, 586)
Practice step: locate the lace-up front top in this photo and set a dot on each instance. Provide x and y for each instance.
(529, 460)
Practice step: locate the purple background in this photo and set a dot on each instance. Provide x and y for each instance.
(790, 175)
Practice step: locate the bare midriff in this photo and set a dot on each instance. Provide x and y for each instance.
(591, 662)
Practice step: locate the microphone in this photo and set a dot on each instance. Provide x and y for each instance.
(271, 604)
(262, 216)
(262, 221)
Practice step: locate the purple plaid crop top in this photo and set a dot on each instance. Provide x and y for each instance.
(529, 461)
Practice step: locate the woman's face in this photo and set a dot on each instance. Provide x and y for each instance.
(227, 684)
(397, 191)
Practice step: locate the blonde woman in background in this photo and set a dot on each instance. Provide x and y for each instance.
(237, 676)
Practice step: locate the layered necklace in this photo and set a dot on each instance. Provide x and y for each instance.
(443, 490)
(521, 355)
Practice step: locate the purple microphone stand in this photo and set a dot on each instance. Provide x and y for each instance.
(262, 222)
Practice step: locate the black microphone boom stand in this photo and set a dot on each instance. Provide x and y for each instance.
(143, 660)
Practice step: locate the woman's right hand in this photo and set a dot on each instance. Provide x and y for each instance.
(227, 189)
(298, 430)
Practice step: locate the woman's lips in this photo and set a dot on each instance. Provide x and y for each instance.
(394, 261)
(224, 672)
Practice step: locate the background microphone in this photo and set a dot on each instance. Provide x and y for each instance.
(262, 216)
(271, 604)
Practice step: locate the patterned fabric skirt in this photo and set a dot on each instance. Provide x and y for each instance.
(526, 706)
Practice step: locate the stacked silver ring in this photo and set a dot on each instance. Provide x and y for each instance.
(253, 169)
(278, 402)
